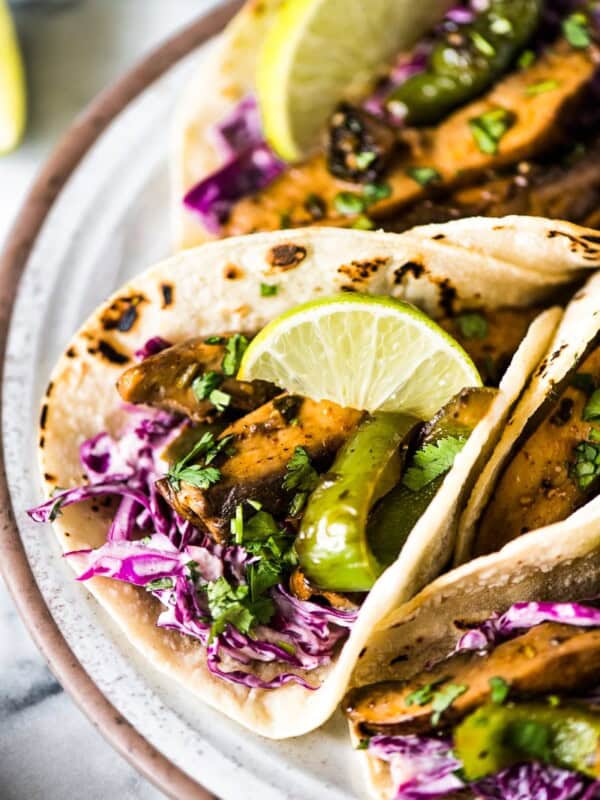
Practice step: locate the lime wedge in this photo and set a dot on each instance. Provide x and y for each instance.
(12, 84)
(320, 51)
(372, 353)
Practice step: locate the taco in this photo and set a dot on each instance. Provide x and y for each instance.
(487, 681)
(547, 462)
(198, 525)
(483, 110)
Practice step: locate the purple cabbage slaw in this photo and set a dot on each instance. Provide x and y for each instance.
(522, 616)
(301, 634)
(425, 768)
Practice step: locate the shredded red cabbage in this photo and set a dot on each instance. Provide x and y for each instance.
(152, 347)
(424, 767)
(522, 616)
(300, 636)
(249, 167)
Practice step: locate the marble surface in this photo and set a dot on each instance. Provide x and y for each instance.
(48, 749)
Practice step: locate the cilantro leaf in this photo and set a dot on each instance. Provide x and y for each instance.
(374, 192)
(472, 325)
(219, 399)
(199, 475)
(443, 699)
(592, 407)
(159, 583)
(423, 175)
(363, 744)
(348, 203)
(541, 87)
(234, 350)
(268, 289)
(215, 340)
(586, 468)
(205, 384)
(229, 605)
(499, 690)
(431, 461)
(424, 695)
(489, 128)
(576, 31)
(299, 472)
(363, 223)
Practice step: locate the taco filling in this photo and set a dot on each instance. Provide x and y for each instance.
(513, 712)
(493, 113)
(258, 518)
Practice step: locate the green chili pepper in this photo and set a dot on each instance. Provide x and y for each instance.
(466, 62)
(495, 737)
(332, 544)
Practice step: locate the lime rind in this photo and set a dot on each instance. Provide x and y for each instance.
(372, 353)
(12, 85)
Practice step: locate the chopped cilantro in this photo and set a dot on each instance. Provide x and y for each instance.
(586, 468)
(349, 203)
(365, 159)
(584, 381)
(219, 399)
(234, 350)
(472, 325)
(499, 690)
(363, 223)
(215, 340)
(576, 30)
(159, 583)
(362, 745)
(236, 524)
(268, 289)
(199, 475)
(204, 385)
(424, 695)
(553, 700)
(301, 475)
(285, 221)
(443, 699)
(526, 59)
(286, 647)
(592, 407)
(431, 461)
(374, 192)
(489, 128)
(230, 605)
(482, 44)
(423, 175)
(541, 87)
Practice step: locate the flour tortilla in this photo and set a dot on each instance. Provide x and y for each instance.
(223, 77)
(216, 288)
(579, 327)
(558, 563)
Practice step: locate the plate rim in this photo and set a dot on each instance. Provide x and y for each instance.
(22, 237)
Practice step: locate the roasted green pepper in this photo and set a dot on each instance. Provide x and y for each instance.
(467, 61)
(495, 737)
(397, 513)
(332, 544)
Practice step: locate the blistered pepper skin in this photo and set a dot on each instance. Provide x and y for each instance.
(458, 72)
(332, 544)
(495, 737)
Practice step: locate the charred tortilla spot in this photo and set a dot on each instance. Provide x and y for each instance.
(358, 271)
(71, 352)
(438, 237)
(42, 442)
(167, 293)
(233, 273)
(48, 477)
(49, 389)
(591, 238)
(122, 313)
(398, 660)
(447, 296)
(44, 416)
(282, 257)
(557, 353)
(111, 354)
(362, 652)
(348, 289)
(409, 268)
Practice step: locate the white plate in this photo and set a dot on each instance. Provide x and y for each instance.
(109, 223)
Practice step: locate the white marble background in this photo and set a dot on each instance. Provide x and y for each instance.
(48, 749)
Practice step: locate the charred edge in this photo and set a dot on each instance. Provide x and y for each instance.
(233, 273)
(557, 353)
(594, 239)
(42, 442)
(447, 296)
(409, 268)
(362, 652)
(286, 256)
(167, 293)
(49, 389)
(71, 352)
(362, 270)
(348, 289)
(438, 237)
(122, 314)
(579, 242)
(49, 477)
(44, 416)
(110, 354)
(398, 660)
